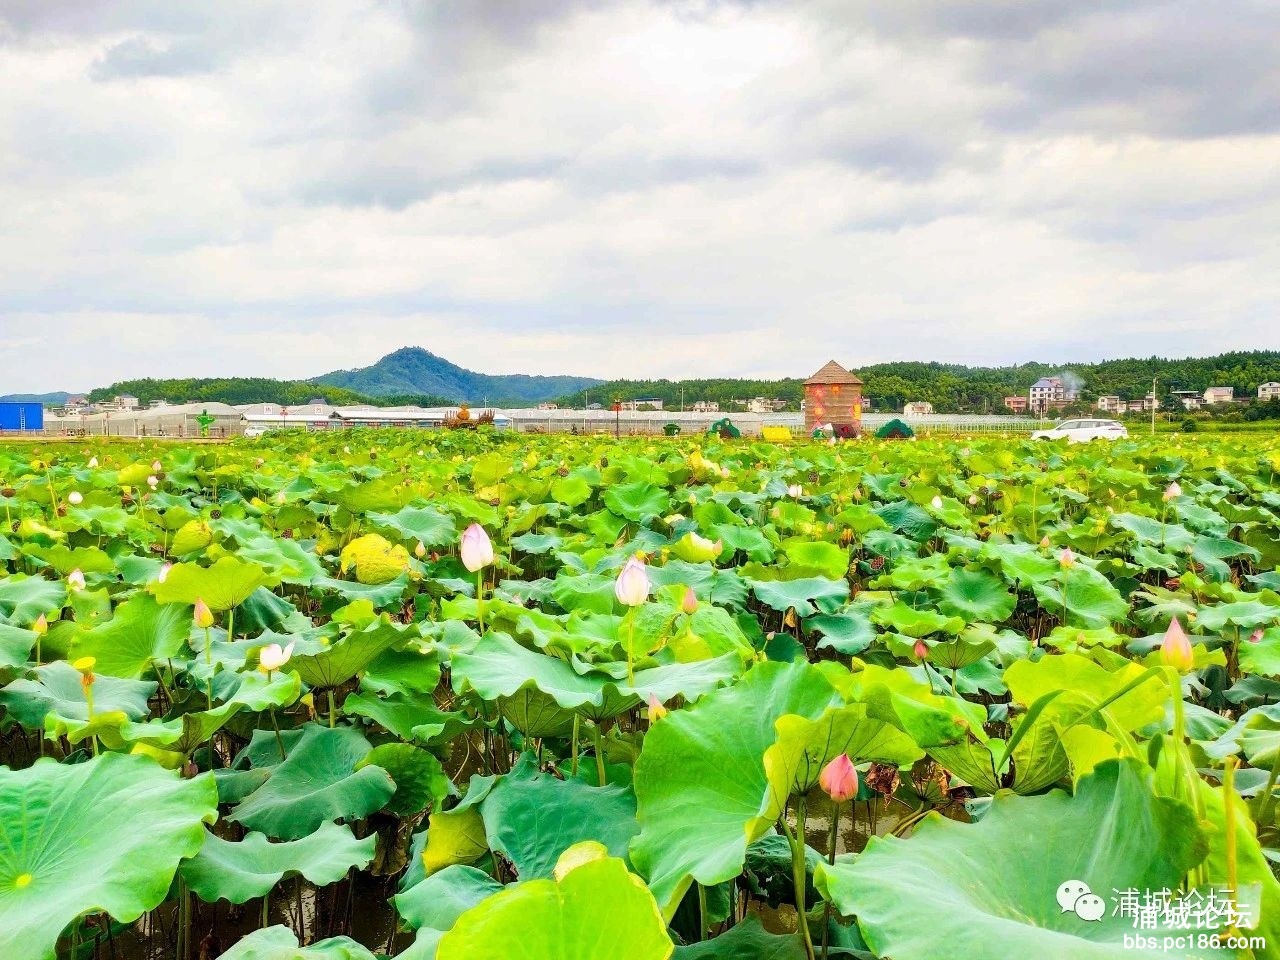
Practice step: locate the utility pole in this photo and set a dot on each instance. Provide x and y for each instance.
(682, 398)
(1153, 406)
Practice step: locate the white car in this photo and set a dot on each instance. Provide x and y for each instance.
(1076, 431)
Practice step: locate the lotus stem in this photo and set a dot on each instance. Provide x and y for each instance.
(332, 710)
(631, 639)
(1267, 797)
(796, 841)
(601, 775)
(704, 922)
(480, 598)
(574, 747)
(832, 837)
(1229, 822)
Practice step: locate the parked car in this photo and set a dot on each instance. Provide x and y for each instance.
(1076, 431)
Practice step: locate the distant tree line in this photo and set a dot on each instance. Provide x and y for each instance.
(240, 390)
(956, 388)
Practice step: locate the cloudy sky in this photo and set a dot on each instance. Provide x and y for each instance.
(661, 188)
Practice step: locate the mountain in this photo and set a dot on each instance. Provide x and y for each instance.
(413, 370)
(55, 399)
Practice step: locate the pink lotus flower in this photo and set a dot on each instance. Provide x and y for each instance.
(689, 602)
(920, 651)
(163, 573)
(632, 586)
(1171, 491)
(202, 615)
(1175, 648)
(656, 710)
(273, 656)
(75, 579)
(1044, 542)
(41, 626)
(839, 779)
(476, 548)
(1067, 558)
(1256, 636)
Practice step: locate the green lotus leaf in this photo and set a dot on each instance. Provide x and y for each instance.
(335, 664)
(563, 920)
(747, 940)
(990, 889)
(191, 536)
(317, 782)
(222, 586)
(702, 789)
(24, 598)
(101, 836)
(808, 595)
(695, 549)
(279, 943)
(498, 666)
(424, 525)
(287, 560)
(1167, 536)
(420, 780)
(1088, 599)
(1091, 684)
(895, 696)
(56, 690)
(849, 632)
(976, 596)
(1256, 656)
(915, 623)
(531, 818)
(437, 901)
(453, 837)
(637, 502)
(141, 633)
(16, 645)
(411, 716)
(239, 871)
(374, 559)
(381, 595)
(826, 559)
(804, 746)
(64, 560)
(1241, 615)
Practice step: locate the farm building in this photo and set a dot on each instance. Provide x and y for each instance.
(918, 408)
(174, 420)
(21, 416)
(833, 396)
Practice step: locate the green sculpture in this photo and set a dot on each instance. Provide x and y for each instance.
(205, 420)
(725, 429)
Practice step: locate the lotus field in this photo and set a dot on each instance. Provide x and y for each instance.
(465, 695)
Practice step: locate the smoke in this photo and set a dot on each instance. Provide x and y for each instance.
(1072, 381)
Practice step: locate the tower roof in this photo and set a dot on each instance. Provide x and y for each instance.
(832, 372)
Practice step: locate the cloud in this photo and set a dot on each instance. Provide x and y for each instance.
(636, 187)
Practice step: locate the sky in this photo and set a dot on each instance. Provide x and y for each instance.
(653, 188)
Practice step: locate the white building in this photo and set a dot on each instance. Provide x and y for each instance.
(643, 403)
(1220, 395)
(1269, 391)
(705, 406)
(764, 405)
(1110, 404)
(917, 408)
(1190, 399)
(1051, 393)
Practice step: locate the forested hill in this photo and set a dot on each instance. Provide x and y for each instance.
(955, 387)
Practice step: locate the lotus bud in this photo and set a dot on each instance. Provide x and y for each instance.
(202, 615)
(163, 573)
(920, 651)
(476, 548)
(795, 490)
(280, 497)
(689, 602)
(41, 626)
(1171, 491)
(936, 503)
(839, 779)
(75, 498)
(152, 481)
(1067, 558)
(1175, 648)
(75, 579)
(1256, 636)
(157, 466)
(1044, 542)
(656, 710)
(273, 657)
(420, 550)
(973, 499)
(93, 463)
(632, 586)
